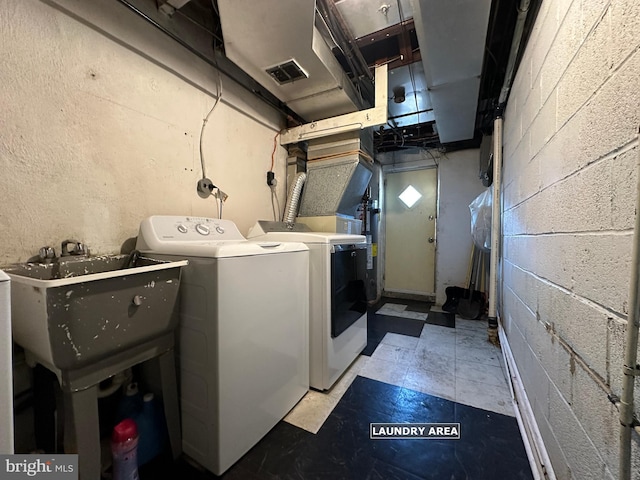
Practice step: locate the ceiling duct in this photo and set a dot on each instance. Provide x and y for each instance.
(277, 43)
(452, 36)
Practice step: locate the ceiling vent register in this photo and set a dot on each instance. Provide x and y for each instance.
(287, 72)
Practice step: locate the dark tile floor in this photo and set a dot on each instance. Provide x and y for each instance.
(490, 446)
(444, 319)
(379, 325)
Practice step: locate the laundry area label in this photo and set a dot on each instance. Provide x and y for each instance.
(422, 431)
(52, 467)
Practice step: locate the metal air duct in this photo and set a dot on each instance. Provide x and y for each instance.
(452, 35)
(277, 43)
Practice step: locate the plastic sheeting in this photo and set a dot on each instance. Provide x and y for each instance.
(481, 220)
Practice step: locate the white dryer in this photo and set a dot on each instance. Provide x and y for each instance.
(243, 347)
(337, 297)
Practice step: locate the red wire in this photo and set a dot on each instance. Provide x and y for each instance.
(274, 150)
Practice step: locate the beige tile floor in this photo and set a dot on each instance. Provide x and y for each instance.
(453, 363)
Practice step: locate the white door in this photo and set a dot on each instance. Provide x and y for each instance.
(410, 207)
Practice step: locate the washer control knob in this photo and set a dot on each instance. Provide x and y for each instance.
(202, 229)
(219, 229)
(182, 228)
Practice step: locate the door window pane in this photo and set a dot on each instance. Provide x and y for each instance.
(409, 196)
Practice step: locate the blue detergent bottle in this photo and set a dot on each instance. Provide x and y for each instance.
(130, 404)
(152, 430)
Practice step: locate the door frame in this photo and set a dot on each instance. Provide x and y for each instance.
(382, 255)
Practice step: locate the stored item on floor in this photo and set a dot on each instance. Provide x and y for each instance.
(337, 317)
(146, 412)
(152, 431)
(480, 210)
(124, 444)
(454, 294)
(244, 345)
(470, 306)
(130, 404)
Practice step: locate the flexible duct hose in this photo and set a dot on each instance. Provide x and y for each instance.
(291, 208)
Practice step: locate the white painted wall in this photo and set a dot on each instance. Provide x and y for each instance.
(458, 185)
(570, 156)
(101, 117)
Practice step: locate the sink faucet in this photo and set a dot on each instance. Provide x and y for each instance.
(46, 254)
(78, 248)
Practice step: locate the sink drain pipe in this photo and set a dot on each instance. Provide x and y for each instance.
(630, 368)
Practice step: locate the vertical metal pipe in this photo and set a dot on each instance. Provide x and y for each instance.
(496, 216)
(631, 348)
(523, 10)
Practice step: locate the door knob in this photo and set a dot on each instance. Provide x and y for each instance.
(431, 240)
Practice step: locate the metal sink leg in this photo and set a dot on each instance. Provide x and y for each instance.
(81, 430)
(166, 363)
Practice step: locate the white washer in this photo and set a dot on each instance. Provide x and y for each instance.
(6, 368)
(332, 346)
(243, 347)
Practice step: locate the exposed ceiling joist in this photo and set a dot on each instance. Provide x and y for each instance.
(388, 32)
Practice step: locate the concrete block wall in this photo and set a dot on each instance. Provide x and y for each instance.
(570, 156)
(100, 127)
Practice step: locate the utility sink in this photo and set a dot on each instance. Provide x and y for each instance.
(76, 311)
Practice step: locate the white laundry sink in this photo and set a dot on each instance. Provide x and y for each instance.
(79, 310)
